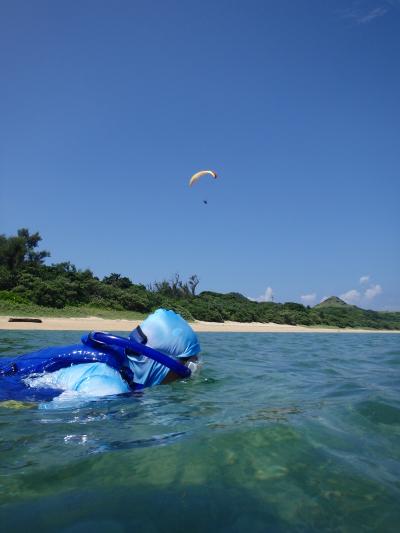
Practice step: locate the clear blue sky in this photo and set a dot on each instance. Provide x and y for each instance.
(107, 108)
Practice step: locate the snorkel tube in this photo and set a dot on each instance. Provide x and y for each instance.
(99, 337)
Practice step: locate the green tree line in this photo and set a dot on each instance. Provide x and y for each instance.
(25, 278)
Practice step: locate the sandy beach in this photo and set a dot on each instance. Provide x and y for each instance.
(100, 324)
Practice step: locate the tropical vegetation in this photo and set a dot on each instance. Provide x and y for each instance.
(28, 284)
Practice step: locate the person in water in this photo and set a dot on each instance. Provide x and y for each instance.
(162, 349)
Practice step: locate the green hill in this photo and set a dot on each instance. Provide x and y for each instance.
(335, 311)
(333, 301)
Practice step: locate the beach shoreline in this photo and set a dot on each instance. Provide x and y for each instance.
(101, 324)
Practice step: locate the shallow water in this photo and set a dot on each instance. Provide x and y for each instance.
(281, 432)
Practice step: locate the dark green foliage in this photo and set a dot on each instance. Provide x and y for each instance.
(175, 288)
(7, 279)
(12, 297)
(116, 280)
(25, 279)
(18, 251)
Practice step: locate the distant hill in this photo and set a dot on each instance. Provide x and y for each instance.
(333, 301)
(334, 311)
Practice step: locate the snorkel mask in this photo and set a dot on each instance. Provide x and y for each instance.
(194, 367)
(138, 336)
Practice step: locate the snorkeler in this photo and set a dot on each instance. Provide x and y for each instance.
(162, 349)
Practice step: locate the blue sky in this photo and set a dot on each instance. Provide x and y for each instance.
(107, 108)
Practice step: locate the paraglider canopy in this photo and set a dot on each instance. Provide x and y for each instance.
(200, 174)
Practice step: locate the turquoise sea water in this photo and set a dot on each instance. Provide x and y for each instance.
(282, 432)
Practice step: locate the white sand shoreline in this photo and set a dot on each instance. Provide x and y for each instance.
(102, 324)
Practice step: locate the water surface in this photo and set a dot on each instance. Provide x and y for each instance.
(282, 432)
